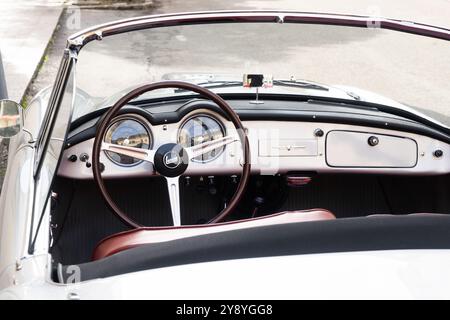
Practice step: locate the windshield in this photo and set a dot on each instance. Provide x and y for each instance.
(344, 62)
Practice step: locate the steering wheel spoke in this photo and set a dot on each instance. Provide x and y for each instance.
(137, 153)
(202, 148)
(173, 186)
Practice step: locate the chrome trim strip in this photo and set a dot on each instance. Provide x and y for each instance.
(56, 96)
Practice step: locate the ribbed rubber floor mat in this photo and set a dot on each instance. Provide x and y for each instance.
(87, 220)
(345, 196)
(83, 219)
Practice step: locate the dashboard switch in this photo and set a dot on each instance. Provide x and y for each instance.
(373, 141)
(73, 158)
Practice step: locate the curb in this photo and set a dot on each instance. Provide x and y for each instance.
(26, 95)
(97, 5)
(3, 87)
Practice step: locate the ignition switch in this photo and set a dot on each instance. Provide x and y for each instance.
(438, 153)
(373, 141)
(84, 157)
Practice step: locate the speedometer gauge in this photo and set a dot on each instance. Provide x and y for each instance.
(199, 129)
(130, 131)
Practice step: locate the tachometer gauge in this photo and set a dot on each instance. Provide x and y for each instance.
(199, 129)
(128, 131)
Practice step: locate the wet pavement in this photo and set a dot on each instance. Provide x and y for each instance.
(26, 25)
(73, 20)
(25, 30)
(435, 12)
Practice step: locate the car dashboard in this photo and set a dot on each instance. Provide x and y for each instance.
(284, 137)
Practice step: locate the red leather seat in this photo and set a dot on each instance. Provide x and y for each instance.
(133, 238)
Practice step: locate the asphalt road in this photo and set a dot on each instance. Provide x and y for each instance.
(435, 12)
(26, 26)
(410, 69)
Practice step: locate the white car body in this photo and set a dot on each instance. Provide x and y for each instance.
(395, 274)
(389, 274)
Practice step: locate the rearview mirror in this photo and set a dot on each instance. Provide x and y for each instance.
(10, 118)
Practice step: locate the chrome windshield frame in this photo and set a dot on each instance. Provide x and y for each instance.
(80, 39)
(67, 62)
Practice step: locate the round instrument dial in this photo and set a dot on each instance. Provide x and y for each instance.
(131, 132)
(199, 129)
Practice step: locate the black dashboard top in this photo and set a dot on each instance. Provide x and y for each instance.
(309, 110)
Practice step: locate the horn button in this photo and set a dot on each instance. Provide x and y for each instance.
(171, 160)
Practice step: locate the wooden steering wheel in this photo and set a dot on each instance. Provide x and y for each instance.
(170, 160)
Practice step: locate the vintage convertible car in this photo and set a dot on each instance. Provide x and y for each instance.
(188, 156)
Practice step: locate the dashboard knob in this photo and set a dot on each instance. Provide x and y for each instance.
(73, 158)
(373, 141)
(84, 157)
(318, 132)
(438, 153)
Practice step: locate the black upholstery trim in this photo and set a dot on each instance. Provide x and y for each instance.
(341, 235)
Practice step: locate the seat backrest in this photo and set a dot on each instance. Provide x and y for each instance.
(130, 239)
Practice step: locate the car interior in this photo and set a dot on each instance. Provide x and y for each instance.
(190, 149)
(320, 162)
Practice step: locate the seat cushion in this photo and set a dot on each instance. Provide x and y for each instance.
(136, 237)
